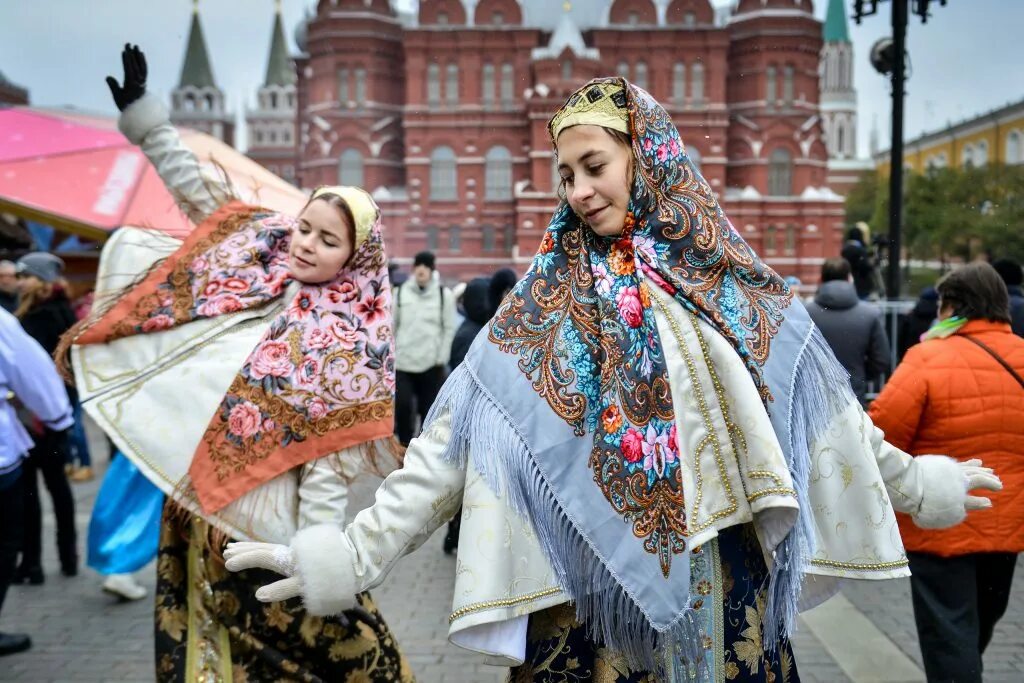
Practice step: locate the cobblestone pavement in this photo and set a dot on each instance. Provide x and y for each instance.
(81, 634)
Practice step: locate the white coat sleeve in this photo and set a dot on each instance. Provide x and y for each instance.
(932, 489)
(410, 505)
(146, 123)
(323, 487)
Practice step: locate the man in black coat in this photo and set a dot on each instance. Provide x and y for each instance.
(1013, 276)
(851, 327)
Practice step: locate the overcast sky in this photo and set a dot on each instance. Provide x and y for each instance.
(968, 58)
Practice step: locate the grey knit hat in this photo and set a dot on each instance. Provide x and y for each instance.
(42, 265)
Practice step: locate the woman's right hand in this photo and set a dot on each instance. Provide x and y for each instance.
(134, 86)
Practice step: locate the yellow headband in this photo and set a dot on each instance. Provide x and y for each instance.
(364, 209)
(597, 104)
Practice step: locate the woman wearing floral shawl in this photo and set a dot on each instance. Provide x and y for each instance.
(657, 455)
(248, 372)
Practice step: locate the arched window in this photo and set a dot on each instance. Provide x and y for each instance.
(443, 174)
(487, 238)
(487, 85)
(432, 233)
(967, 155)
(273, 100)
(770, 95)
(343, 94)
(498, 174)
(641, 75)
(787, 85)
(840, 141)
(622, 70)
(697, 86)
(679, 83)
(769, 240)
(350, 168)
(780, 173)
(790, 245)
(210, 103)
(451, 86)
(455, 238)
(361, 87)
(510, 237)
(508, 85)
(433, 84)
(695, 157)
(567, 70)
(981, 154)
(1014, 148)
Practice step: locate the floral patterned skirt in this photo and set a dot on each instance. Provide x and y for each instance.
(729, 578)
(210, 627)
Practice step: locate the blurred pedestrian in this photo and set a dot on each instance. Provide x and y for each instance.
(916, 322)
(961, 392)
(851, 327)
(502, 282)
(45, 313)
(1013, 277)
(862, 266)
(27, 376)
(248, 372)
(424, 329)
(8, 286)
(476, 304)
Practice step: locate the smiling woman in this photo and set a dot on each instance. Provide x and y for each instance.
(258, 355)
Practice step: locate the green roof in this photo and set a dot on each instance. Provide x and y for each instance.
(196, 70)
(835, 23)
(279, 66)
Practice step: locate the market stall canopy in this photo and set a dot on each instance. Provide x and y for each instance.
(77, 173)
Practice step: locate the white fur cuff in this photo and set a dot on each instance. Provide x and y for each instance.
(326, 564)
(945, 492)
(142, 116)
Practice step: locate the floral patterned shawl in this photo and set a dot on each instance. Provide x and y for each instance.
(322, 377)
(565, 402)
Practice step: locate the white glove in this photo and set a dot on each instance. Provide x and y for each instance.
(277, 558)
(979, 477)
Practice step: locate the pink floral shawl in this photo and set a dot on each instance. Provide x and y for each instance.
(321, 379)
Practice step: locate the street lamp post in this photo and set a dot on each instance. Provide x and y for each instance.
(890, 58)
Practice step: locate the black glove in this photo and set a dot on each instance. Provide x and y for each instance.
(134, 77)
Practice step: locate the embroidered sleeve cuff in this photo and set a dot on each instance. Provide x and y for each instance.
(325, 562)
(142, 116)
(944, 492)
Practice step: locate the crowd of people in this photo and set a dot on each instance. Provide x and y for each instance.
(645, 415)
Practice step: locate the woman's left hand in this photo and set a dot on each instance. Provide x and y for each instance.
(277, 558)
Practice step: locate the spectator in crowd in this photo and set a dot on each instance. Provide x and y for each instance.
(852, 328)
(28, 376)
(961, 392)
(1012, 275)
(8, 286)
(862, 266)
(424, 313)
(918, 321)
(45, 314)
(502, 283)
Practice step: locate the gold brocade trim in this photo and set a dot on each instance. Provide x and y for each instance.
(774, 491)
(719, 613)
(878, 566)
(208, 648)
(716, 446)
(503, 602)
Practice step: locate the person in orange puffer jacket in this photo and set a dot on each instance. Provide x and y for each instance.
(961, 392)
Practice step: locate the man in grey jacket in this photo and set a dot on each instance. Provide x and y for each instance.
(424, 314)
(852, 327)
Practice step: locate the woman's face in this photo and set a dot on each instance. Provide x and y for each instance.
(596, 169)
(28, 283)
(320, 243)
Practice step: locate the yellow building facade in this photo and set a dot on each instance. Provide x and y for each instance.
(996, 137)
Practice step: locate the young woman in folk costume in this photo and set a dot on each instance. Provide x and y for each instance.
(657, 456)
(250, 375)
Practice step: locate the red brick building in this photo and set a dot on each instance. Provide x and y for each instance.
(442, 115)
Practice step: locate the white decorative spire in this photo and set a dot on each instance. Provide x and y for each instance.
(567, 35)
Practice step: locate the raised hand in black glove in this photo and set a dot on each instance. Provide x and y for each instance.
(134, 77)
